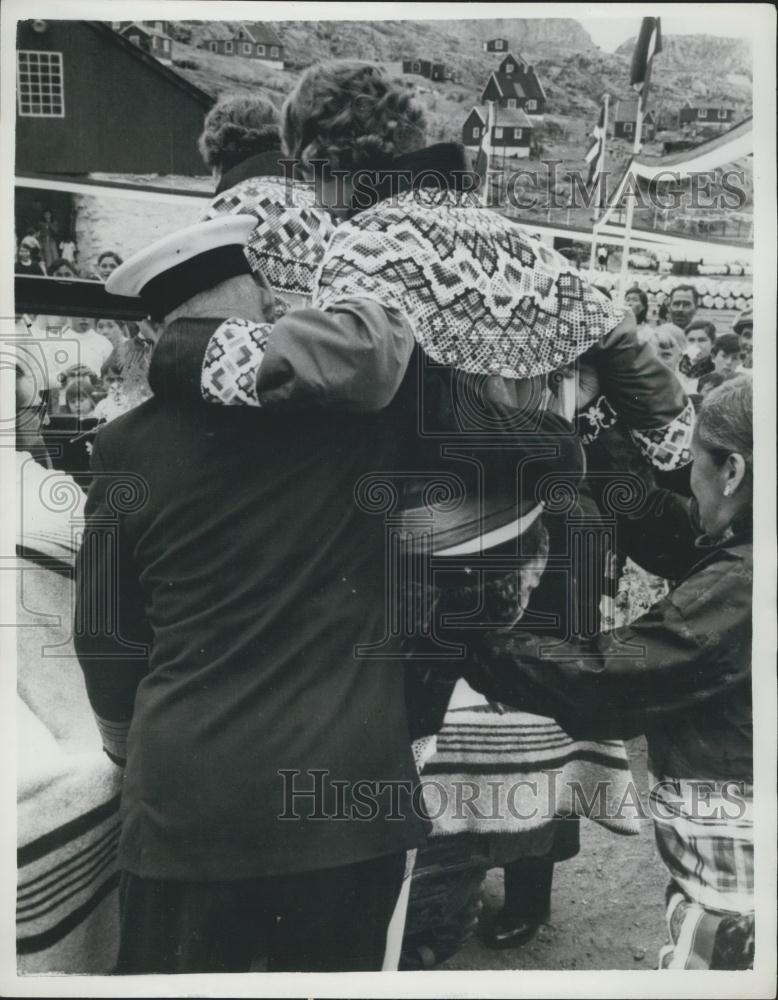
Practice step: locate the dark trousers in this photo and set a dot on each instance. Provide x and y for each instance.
(332, 920)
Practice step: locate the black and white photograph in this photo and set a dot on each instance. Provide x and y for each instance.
(394, 412)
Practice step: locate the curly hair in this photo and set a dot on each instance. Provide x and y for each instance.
(351, 115)
(236, 128)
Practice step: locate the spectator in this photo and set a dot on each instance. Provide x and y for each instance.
(31, 242)
(25, 263)
(81, 344)
(68, 250)
(47, 232)
(107, 263)
(669, 343)
(726, 354)
(637, 300)
(61, 268)
(602, 258)
(112, 330)
(682, 305)
(241, 139)
(697, 361)
(80, 397)
(744, 328)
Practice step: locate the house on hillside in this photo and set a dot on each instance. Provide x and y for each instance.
(161, 26)
(496, 45)
(427, 68)
(625, 119)
(151, 40)
(251, 40)
(90, 100)
(706, 114)
(511, 130)
(515, 84)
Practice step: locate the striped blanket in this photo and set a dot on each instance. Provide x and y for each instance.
(67, 789)
(513, 773)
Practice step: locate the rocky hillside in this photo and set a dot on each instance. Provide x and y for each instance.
(574, 72)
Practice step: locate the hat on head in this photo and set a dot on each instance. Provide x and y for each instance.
(474, 496)
(192, 260)
(746, 318)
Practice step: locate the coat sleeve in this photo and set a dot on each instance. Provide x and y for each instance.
(645, 394)
(690, 647)
(352, 358)
(112, 634)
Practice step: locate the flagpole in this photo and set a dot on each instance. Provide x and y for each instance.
(489, 153)
(631, 199)
(601, 187)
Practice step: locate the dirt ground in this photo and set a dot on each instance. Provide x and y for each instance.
(607, 904)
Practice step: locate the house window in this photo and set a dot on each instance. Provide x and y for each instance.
(213, 46)
(165, 44)
(628, 126)
(415, 67)
(228, 46)
(511, 102)
(509, 67)
(159, 25)
(723, 114)
(274, 52)
(499, 45)
(517, 133)
(476, 132)
(40, 84)
(532, 105)
(135, 39)
(498, 133)
(702, 113)
(260, 50)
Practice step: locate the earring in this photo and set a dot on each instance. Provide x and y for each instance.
(727, 491)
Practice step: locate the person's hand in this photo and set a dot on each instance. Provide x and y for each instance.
(588, 386)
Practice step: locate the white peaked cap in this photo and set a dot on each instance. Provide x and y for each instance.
(191, 260)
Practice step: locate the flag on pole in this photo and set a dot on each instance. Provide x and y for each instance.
(648, 44)
(595, 152)
(483, 159)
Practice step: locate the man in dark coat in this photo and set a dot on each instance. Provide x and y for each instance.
(226, 583)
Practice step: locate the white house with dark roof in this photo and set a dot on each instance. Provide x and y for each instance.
(515, 84)
(511, 130)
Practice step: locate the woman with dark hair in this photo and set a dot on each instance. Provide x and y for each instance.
(637, 300)
(240, 139)
(681, 674)
(107, 263)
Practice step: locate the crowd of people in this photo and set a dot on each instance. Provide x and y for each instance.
(313, 346)
(702, 356)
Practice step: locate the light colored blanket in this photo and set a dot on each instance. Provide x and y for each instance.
(513, 773)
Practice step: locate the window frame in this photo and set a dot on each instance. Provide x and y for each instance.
(213, 46)
(509, 68)
(702, 112)
(498, 131)
(260, 49)
(229, 47)
(629, 127)
(56, 66)
(532, 104)
(476, 131)
(722, 114)
(274, 52)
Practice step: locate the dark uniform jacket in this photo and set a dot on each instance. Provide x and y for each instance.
(230, 591)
